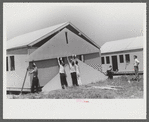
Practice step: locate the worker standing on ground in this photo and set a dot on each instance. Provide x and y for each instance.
(35, 81)
(110, 72)
(74, 58)
(62, 73)
(78, 73)
(73, 72)
(136, 68)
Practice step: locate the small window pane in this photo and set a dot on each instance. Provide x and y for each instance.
(107, 60)
(102, 59)
(121, 58)
(12, 63)
(127, 58)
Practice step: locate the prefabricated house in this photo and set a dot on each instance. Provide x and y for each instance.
(120, 54)
(44, 46)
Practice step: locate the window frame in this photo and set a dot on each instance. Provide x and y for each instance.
(7, 64)
(121, 61)
(103, 61)
(12, 63)
(107, 61)
(126, 57)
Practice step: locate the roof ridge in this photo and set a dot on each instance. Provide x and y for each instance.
(124, 39)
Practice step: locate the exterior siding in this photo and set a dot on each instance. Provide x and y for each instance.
(93, 60)
(47, 69)
(45, 59)
(14, 79)
(124, 66)
(58, 47)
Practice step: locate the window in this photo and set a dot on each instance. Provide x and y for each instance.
(6, 63)
(121, 58)
(107, 59)
(102, 59)
(127, 58)
(12, 63)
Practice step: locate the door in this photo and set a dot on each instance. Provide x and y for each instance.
(114, 63)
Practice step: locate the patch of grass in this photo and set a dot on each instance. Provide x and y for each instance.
(124, 90)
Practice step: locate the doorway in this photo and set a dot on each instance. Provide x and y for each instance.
(114, 63)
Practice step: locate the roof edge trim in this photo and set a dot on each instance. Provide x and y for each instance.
(92, 42)
(130, 50)
(48, 34)
(24, 46)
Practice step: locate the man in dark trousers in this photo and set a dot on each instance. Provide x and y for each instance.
(35, 81)
(62, 73)
(136, 68)
(110, 73)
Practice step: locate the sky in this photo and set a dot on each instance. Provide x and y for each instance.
(102, 22)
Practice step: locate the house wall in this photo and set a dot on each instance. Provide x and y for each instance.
(58, 47)
(47, 69)
(14, 79)
(45, 57)
(93, 60)
(124, 66)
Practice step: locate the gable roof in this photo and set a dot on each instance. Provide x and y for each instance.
(57, 47)
(123, 45)
(34, 37)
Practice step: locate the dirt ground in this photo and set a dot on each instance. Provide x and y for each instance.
(118, 88)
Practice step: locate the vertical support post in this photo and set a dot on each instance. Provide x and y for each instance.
(24, 81)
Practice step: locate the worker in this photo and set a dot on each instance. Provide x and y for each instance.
(73, 72)
(78, 73)
(35, 81)
(136, 68)
(110, 72)
(62, 73)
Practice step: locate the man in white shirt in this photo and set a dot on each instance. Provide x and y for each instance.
(62, 73)
(136, 67)
(73, 72)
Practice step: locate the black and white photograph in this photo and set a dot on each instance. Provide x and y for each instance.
(61, 55)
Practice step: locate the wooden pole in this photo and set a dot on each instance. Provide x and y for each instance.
(24, 81)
